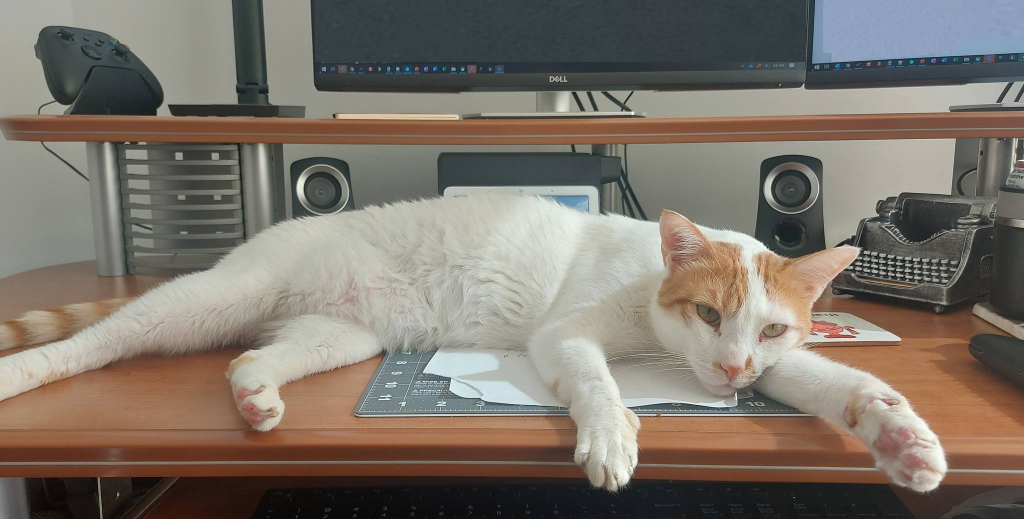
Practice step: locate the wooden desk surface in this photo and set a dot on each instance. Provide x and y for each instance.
(175, 416)
(84, 128)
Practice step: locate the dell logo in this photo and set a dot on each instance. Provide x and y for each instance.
(558, 79)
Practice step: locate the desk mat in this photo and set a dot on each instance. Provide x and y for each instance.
(401, 388)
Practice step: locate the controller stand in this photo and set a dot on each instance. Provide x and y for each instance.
(114, 91)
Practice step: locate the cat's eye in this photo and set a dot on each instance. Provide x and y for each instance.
(708, 314)
(774, 330)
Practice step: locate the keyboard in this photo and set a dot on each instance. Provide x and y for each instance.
(641, 499)
(909, 270)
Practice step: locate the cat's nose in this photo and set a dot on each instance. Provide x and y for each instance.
(732, 371)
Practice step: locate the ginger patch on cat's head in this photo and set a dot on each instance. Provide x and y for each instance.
(718, 279)
(701, 272)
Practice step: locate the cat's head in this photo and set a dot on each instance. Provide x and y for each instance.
(734, 308)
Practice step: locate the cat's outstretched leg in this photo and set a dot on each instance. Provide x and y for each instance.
(577, 370)
(903, 446)
(192, 313)
(305, 345)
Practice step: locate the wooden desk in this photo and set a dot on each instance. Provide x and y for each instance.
(175, 416)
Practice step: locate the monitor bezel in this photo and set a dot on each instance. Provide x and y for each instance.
(900, 77)
(558, 82)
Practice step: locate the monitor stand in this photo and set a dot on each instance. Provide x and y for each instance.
(553, 105)
(996, 155)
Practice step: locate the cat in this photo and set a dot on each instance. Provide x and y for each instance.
(499, 271)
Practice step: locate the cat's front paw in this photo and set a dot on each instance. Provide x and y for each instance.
(903, 445)
(606, 447)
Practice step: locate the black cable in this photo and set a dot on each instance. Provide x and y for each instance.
(622, 106)
(590, 95)
(630, 96)
(1020, 94)
(579, 103)
(1005, 90)
(625, 200)
(629, 186)
(39, 111)
(572, 147)
(960, 179)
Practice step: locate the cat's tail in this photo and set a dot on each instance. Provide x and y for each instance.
(41, 326)
(195, 312)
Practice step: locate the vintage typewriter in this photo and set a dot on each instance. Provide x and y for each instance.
(935, 249)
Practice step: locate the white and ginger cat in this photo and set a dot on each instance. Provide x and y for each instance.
(499, 271)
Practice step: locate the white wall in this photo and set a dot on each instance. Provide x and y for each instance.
(188, 44)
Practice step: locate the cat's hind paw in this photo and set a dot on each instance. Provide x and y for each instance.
(903, 445)
(606, 448)
(261, 406)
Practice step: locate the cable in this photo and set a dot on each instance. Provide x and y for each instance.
(1020, 94)
(579, 103)
(590, 95)
(622, 106)
(630, 96)
(39, 111)
(1005, 90)
(625, 200)
(960, 179)
(629, 186)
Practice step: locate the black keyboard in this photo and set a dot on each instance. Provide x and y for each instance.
(641, 499)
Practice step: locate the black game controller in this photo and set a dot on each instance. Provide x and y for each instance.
(96, 74)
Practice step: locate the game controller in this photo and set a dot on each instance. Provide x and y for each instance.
(96, 74)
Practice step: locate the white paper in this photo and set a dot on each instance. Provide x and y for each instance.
(508, 377)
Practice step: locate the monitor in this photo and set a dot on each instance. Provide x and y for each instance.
(564, 45)
(867, 43)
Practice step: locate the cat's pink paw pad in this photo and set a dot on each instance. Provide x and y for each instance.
(244, 393)
(262, 409)
(903, 445)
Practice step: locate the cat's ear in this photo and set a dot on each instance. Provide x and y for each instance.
(819, 269)
(681, 241)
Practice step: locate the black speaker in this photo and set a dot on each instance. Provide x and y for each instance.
(789, 208)
(320, 186)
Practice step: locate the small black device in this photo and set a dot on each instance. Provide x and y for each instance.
(1007, 296)
(790, 218)
(641, 499)
(1004, 355)
(933, 249)
(96, 74)
(920, 42)
(320, 186)
(525, 169)
(538, 45)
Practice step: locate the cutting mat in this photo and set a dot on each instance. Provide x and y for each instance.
(401, 388)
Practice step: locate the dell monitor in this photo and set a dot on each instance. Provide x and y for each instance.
(870, 43)
(564, 45)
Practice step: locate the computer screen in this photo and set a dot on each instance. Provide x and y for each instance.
(453, 45)
(922, 42)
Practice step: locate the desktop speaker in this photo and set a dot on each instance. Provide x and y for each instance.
(789, 209)
(320, 186)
